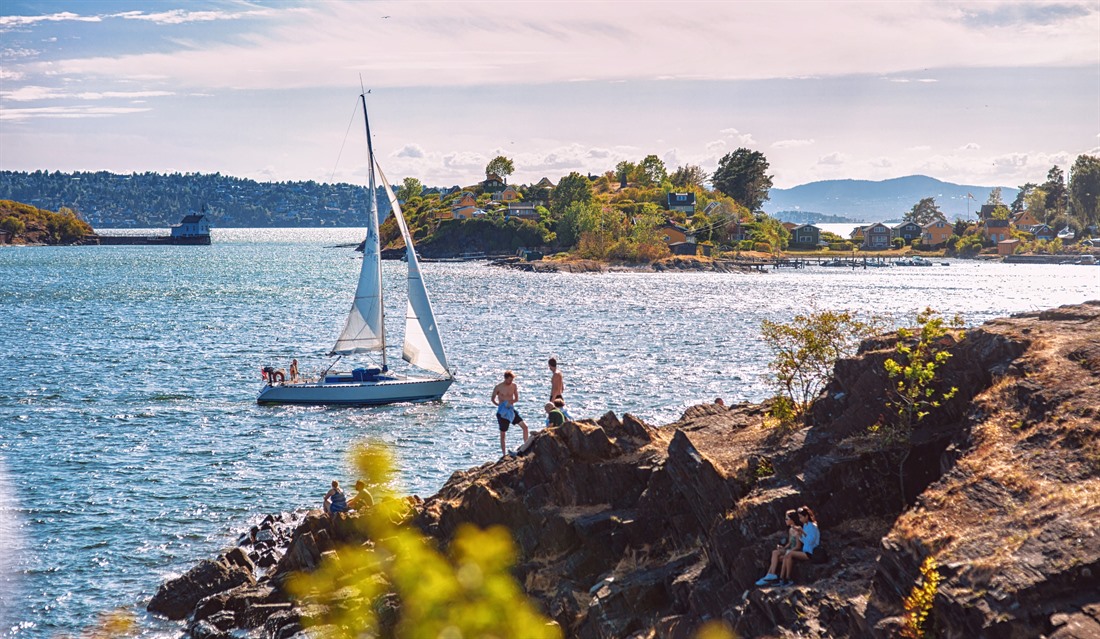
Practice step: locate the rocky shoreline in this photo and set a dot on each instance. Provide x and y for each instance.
(626, 529)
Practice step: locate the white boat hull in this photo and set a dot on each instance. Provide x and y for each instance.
(370, 393)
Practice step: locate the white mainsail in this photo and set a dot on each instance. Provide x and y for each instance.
(363, 331)
(423, 344)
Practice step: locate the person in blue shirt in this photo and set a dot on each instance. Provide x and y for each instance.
(811, 538)
(335, 501)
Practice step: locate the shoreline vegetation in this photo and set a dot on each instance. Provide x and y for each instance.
(640, 213)
(615, 527)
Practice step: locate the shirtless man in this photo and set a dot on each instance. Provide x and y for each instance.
(505, 396)
(557, 382)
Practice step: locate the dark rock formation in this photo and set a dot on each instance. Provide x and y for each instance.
(626, 529)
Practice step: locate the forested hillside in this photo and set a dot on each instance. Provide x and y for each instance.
(153, 200)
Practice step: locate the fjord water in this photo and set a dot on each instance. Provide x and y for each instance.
(131, 445)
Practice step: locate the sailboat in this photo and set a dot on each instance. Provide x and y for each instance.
(364, 331)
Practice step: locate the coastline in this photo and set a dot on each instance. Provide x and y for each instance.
(624, 525)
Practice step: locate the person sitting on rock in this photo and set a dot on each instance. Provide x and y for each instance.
(335, 501)
(794, 542)
(554, 416)
(362, 498)
(811, 537)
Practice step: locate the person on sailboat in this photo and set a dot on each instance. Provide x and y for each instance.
(293, 370)
(557, 382)
(505, 396)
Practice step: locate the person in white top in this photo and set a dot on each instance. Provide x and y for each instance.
(811, 538)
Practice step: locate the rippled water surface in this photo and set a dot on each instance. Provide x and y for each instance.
(131, 445)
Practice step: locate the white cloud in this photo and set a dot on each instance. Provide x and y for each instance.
(882, 163)
(833, 159)
(32, 93)
(11, 22)
(970, 146)
(410, 151)
(67, 112)
(920, 148)
(717, 146)
(742, 138)
(180, 16)
(788, 144)
(424, 44)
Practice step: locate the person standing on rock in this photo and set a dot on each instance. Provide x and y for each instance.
(335, 501)
(505, 396)
(557, 382)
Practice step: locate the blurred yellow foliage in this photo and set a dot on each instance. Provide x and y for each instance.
(465, 594)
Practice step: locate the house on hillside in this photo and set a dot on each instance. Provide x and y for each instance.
(876, 237)
(907, 231)
(857, 234)
(544, 183)
(805, 236)
(684, 202)
(672, 233)
(1025, 220)
(508, 194)
(996, 230)
(464, 206)
(493, 184)
(1042, 232)
(937, 232)
(522, 210)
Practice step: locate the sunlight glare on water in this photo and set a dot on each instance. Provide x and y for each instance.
(133, 445)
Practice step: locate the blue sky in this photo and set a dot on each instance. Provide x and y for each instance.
(987, 93)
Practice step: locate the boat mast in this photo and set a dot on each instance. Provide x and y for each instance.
(374, 220)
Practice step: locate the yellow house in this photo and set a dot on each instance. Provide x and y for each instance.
(509, 194)
(464, 208)
(673, 234)
(1025, 220)
(937, 232)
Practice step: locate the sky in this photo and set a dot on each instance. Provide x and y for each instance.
(985, 93)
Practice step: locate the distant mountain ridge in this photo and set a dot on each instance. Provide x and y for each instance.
(874, 201)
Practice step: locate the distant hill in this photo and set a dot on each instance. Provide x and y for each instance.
(154, 200)
(870, 201)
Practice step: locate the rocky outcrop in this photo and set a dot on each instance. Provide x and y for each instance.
(626, 529)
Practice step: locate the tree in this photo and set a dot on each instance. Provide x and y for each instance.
(652, 171)
(1057, 196)
(1018, 205)
(995, 197)
(807, 349)
(12, 225)
(771, 232)
(572, 189)
(742, 175)
(919, 352)
(410, 188)
(624, 171)
(1084, 189)
(502, 166)
(688, 176)
(924, 212)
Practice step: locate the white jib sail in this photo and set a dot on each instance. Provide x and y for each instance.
(363, 330)
(423, 344)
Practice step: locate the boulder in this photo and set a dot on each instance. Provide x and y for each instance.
(177, 598)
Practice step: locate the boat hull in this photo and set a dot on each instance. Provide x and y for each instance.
(371, 393)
